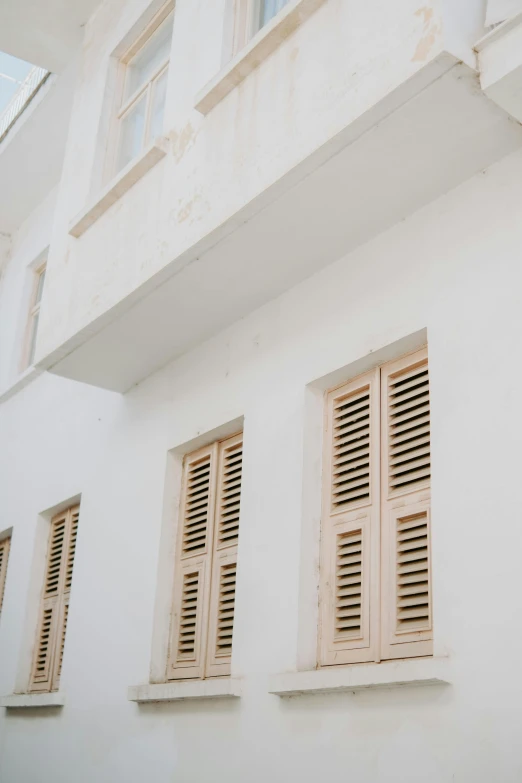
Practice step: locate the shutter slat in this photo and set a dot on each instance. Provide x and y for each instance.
(71, 550)
(350, 468)
(189, 607)
(408, 421)
(227, 596)
(196, 506)
(45, 643)
(348, 622)
(229, 494)
(413, 578)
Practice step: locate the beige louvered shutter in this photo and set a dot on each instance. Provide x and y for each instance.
(224, 562)
(406, 473)
(349, 583)
(193, 564)
(54, 609)
(4, 557)
(73, 520)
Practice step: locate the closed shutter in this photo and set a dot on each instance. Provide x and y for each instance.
(193, 565)
(54, 608)
(349, 587)
(4, 557)
(406, 475)
(223, 591)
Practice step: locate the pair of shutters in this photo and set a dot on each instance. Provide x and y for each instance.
(206, 559)
(375, 569)
(5, 544)
(54, 609)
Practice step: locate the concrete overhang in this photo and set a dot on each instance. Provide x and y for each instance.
(32, 152)
(426, 137)
(47, 33)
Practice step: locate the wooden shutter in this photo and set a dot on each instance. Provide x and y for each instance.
(349, 587)
(52, 623)
(223, 590)
(406, 474)
(5, 545)
(193, 565)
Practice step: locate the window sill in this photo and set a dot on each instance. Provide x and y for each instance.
(225, 688)
(30, 700)
(357, 677)
(266, 41)
(24, 379)
(123, 182)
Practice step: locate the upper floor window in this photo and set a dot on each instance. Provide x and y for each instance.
(375, 541)
(265, 10)
(143, 92)
(250, 16)
(34, 315)
(206, 558)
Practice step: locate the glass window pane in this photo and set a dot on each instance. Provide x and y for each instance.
(159, 93)
(131, 133)
(150, 57)
(268, 9)
(32, 338)
(39, 286)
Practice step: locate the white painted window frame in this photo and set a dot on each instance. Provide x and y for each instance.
(246, 22)
(34, 311)
(122, 106)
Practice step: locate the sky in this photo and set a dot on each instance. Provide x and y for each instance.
(11, 68)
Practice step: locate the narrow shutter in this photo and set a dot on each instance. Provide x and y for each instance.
(193, 564)
(68, 566)
(350, 531)
(5, 545)
(406, 475)
(224, 566)
(54, 608)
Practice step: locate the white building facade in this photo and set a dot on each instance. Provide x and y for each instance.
(260, 313)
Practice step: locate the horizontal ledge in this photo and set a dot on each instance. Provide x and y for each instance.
(128, 177)
(363, 676)
(498, 32)
(219, 688)
(30, 700)
(257, 49)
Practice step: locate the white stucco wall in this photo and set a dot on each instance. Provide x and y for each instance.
(453, 269)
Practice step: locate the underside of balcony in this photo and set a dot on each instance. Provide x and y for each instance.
(433, 133)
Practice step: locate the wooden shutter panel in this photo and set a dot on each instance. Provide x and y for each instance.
(349, 585)
(5, 545)
(406, 474)
(223, 590)
(68, 566)
(54, 608)
(193, 564)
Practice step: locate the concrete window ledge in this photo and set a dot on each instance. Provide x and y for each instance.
(257, 49)
(357, 677)
(30, 700)
(226, 688)
(117, 187)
